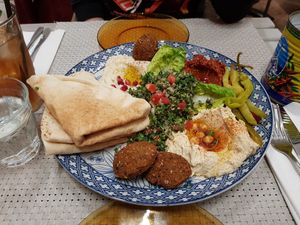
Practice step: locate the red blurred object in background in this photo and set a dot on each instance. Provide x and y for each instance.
(43, 11)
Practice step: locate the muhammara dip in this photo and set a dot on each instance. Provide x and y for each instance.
(223, 152)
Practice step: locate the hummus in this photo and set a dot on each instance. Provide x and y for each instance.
(119, 65)
(232, 143)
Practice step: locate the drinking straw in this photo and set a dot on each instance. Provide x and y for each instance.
(7, 8)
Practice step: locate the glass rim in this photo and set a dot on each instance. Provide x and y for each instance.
(143, 15)
(13, 10)
(294, 18)
(25, 98)
(24, 87)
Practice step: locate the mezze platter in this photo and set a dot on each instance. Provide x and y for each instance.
(94, 170)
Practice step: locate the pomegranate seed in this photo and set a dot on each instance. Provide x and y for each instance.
(127, 82)
(135, 83)
(114, 86)
(120, 80)
(124, 88)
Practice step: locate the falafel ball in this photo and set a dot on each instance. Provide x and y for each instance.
(134, 159)
(145, 47)
(169, 170)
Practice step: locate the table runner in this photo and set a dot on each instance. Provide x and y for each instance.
(43, 193)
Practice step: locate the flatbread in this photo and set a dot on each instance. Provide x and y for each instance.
(90, 112)
(53, 131)
(57, 141)
(52, 148)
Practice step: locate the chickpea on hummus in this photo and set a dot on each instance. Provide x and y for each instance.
(214, 142)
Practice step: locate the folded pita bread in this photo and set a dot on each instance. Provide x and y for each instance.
(52, 148)
(57, 141)
(90, 112)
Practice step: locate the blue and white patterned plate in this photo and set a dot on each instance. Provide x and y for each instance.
(94, 170)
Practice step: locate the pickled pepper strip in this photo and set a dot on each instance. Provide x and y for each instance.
(247, 114)
(243, 97)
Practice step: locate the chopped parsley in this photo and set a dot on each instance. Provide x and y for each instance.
(172, 104)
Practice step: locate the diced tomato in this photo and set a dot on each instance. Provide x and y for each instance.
(188, 124)
(155, 99)
(165, 100)
(124, 88)
(120, 80)
(151, 88)
(172, 79)
(181, 105)
(160, 94)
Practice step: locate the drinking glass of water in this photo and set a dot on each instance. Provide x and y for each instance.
(19, 140)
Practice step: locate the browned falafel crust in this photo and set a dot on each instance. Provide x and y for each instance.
(169, 170)
(134, 159)
(145, 48)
